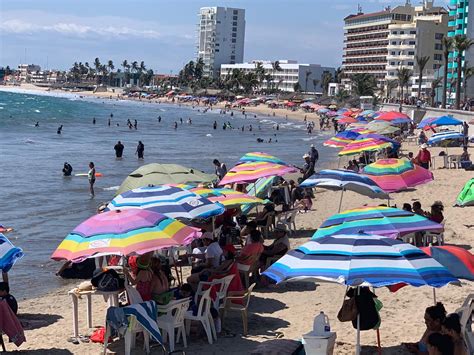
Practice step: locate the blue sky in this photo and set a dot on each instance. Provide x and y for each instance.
(162, 32)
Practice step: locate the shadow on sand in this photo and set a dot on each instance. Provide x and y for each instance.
(31, 321)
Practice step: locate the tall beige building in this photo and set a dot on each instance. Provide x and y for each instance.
(379, 43)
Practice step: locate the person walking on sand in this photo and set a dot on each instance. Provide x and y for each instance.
(140, 150)
(119, 149)
(91, 177)
(424, 157)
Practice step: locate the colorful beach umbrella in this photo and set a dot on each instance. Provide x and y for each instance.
(168, 200)
(227, 197)
(394, 117)
(364, 145)
(445, 136)
(360, 260)
(160, 174)
(341, 139)
(9, 254)
(127, 232)
(380, 220)
(466, 196)
(457, 260)
(397, 174)
(260, 157)
(441, 121)
(345, 180)
(250, 172)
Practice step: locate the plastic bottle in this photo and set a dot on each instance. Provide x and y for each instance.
(321, 324)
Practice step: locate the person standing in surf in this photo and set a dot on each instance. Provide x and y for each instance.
(140, 150)
(91, 177)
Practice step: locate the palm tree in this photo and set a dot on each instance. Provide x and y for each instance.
(260, 73)
(250, 82)
(435, 84)
(326, 78)
(460, 44)
(315, 84)
(363, 84)
(447, 44)
(421, 63)
(276, 65)
(307, 74)
(404, 75)
(468, 72)
(338, 75)
(110, 67)
(199, 69)
(97, 66)
(391, 84)
(297, 87)
(342, 95)
(142, 67)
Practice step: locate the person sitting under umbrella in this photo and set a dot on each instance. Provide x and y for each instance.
(465, 159)
(436, 214)
(452, 327)
(278, 248)
(252, 250)
(434, 318)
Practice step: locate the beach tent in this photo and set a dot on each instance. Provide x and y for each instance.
(466, 196)
(161, 174)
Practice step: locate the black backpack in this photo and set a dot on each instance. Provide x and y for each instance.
(108, 281)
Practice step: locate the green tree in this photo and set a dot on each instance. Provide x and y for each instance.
(97, 66)
(338, 75)
(315, 84)
(363, 84)
(260, 73)
(391, 84)
(468, 72)
(435, 84)
(447, 44)
(421, 64)
(460, 44)
(110, 67)
(250, 82)
(326, 79)
(404, 75)
(297, 87)
(276, 65)
(342, 95)
(307, 75)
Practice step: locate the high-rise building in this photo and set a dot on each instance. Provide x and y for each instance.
(221, 36)
(380, 43)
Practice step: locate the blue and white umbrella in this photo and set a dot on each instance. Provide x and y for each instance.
(361, 260)
(443, 136)
(170, 201)
(9, 254)
(339, 179)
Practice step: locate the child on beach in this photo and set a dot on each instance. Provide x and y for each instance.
(5, 296)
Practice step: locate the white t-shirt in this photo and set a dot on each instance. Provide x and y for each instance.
(214, 251)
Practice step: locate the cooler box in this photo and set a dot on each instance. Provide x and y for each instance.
(319, 345)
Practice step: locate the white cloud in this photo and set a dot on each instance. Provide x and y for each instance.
(76, 30)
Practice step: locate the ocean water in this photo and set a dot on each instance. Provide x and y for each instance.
(43, 206)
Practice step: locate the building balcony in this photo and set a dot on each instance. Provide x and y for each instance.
(364, 55)
(399, 37)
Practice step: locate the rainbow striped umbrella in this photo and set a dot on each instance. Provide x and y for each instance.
(397, 174)
(250, 172)
(362, 130)
(127, 232)
(260, 157)
(364, 145)
(342, 139)
(387, 221)
(227, 197)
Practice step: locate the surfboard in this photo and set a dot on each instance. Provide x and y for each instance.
(85, 174)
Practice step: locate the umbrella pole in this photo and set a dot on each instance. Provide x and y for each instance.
(338, 161)
(358, 327)
(214, 226)
(340, 201)
(434, 295)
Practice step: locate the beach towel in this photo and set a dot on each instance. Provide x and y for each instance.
(9, 254)
(144, 312)
(10, 325)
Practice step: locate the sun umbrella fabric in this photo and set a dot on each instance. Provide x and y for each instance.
(457, 260)
(397, 174)
(259, 156)
(250, 172)
(387, 221)
(227, 197)
(440, 137)
(445, 121)
(364, 145)
(160, 174)
(341, 139)
(345, 180)
(394, 117)
(168, 200)
(126, 232)
(9, 254)
(466, 196)
(361, 260)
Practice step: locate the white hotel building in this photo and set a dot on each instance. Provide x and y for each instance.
(309, 76)
(221, 36)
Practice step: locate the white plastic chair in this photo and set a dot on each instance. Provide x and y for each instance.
(432, 238)
(466, 313)
(242, 306)
(222, 286)
(245, 270)
(173, 319)
(130, 336)
(204, 316)
(133, 296)
(288, 218)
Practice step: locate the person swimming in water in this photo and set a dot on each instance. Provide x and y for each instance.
(60, 129)
(159, 119)
(135, 124)
(93, 120)
(175, 125)
(37, 124)
(67, 169)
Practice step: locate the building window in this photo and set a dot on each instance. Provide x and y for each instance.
(394, 32)
(236, 12)
(411, 53)
(438, 56)
(234, 23)
(234, 18)
(402, 32)
(411, 43)
(217, 51)
(234, 35)
(234, 29)
(413, 32)
(392, 63)
(392, 53)
(438, 46)
(436, 66)
(439, 36)
(394, 43)
(232, 57)
(410, 64)
(234, 40)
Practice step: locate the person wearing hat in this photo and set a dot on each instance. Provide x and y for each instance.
(308, 167)
(436, 213)
(212, 255)
(278, 248)
(424, 157)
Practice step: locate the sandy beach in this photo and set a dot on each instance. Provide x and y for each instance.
(286, 311)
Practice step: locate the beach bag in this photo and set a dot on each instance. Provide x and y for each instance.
(98, 335)
(348, 311)
(108, 281)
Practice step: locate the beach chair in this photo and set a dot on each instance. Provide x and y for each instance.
(221, 286)
(2, 343)
(204, 316)
(466, 315)
(266, 229)
(288, 218)
(432, 238)
(131, 335)
(246, 270)
(173, 318)
(239, 303)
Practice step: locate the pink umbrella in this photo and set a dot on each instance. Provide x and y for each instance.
(252, 171)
